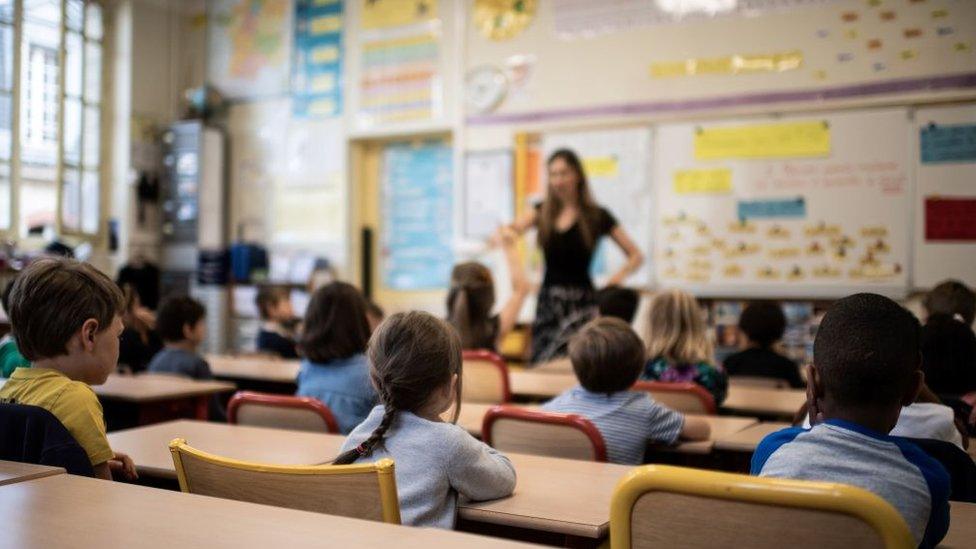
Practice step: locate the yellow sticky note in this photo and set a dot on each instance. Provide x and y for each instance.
(324, 2)
(325, 54)
(379, 14)
(325, 24)
(323, 83)
(786, 140)
(322, 107)
(703, 181)
(601, 166)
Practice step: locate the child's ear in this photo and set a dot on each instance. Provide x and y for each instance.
(915, 387)
(88, 330)
(187, 331)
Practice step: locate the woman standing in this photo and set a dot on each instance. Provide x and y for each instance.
(570, 225)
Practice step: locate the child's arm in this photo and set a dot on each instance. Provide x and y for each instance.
(695, 429)
(120, 464)
(478, 471)
(520, 285)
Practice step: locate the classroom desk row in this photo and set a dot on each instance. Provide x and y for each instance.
(544, 382)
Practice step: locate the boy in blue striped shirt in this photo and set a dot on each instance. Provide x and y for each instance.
(608, 357)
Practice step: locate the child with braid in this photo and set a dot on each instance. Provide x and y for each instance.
(415, 365)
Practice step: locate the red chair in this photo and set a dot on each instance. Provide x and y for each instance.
(484, 378)
(521, 430)
(281, 411)
(685, 397)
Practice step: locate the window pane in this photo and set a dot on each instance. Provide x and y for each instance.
(4, 196)
(6, 115)
(89, 202)
(39, 95)
(93, 72)
(91, 157)
(72, 64)
(72, 131)
(6, 57)
(6, 10)
(74, 11)
(93, 22)
(38, 200)
(71, 201)
(43, 11)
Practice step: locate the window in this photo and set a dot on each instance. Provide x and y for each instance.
(50, 116)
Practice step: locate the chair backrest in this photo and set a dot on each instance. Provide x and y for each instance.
(485, 378)
(524, 431)
(366, 491)
(31, 434)
(686, 397)
(281, 411)
(959, 465)
(759, 381)
(662, 506)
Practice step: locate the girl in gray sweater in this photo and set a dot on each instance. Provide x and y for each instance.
(415, 365)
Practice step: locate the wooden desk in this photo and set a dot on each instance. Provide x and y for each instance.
(154, 397)
(962, 526)
(747, 439)
(12, 471)
(553, 495)
(781, 403)
(558, 366)
(535, 384)
(254, 368)
(721, 426)
(69, 511)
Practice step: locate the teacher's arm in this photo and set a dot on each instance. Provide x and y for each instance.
(524, 221)
(634, 256)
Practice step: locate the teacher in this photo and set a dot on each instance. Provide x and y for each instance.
(570, 225)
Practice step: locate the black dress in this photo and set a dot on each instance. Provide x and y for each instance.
(566, 300)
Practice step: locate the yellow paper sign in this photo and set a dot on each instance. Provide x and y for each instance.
(601, 166)
(325, 54)
(325, 24)
(786, 140)
(729, 64)
(703, 181)
(382, 14)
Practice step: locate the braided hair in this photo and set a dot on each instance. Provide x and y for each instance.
(411, 355)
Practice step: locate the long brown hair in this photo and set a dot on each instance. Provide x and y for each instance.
(335, 323)
(469, 304)
(589, 211)
(410, 356)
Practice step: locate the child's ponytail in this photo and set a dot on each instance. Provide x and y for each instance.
(366, 447)
(469, 303)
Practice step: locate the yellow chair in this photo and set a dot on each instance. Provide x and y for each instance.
(366, 491)
(663, 506)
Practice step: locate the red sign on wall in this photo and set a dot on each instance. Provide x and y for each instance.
(951, 219)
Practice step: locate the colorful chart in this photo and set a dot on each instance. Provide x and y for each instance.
(317, 64)
(249, 46)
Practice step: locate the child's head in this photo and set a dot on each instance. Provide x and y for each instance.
(415, 365)
(618, 302)
(866, 358)
(676, 329)
(607, 355)
(948, 355)
(469, 303)
(335, 324)
(181, 319)
(951, 297)
(274, 304)
(763, 322)
(65, 308)
(374, 314)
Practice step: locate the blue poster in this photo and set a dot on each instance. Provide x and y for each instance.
(317, 65)
(956, 143)
(418, 188)
(772, 208)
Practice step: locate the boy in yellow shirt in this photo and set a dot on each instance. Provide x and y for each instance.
(65, 316)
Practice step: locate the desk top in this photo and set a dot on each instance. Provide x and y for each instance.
(155, 387)
(762, 401)
(63, 510)
(543, 384)
(12, 471)
(747, 439)
(254, 367)
(962, 526)
(549, 495)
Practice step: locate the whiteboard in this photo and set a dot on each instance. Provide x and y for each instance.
(813, 220)
(489, 200)
(936, 261)
(618, 165)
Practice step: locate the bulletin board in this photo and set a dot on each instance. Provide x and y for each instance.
(807, 206)
(945, 195)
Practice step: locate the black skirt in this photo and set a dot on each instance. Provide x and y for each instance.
(559, 313)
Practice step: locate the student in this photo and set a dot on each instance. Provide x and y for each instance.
(274, 306)
(139, 342)
(472, 296)
(618, 302)
(334, 369)
(763, 323)
(10, 357)
(949, 364)
(678, 345)
(608, 357)
(374, 314)
(182, 325)
(415, 363)
(951, 297)
(66, 317)
(866, 368)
